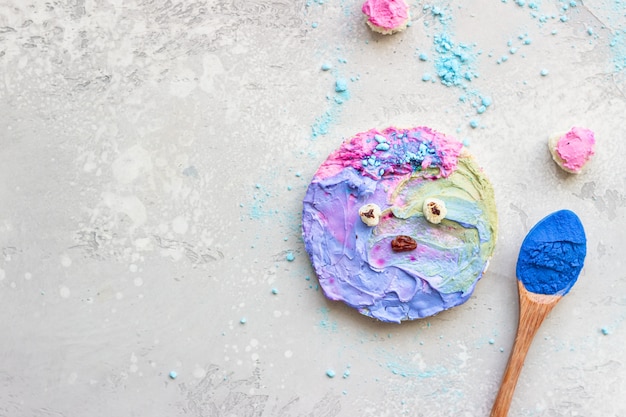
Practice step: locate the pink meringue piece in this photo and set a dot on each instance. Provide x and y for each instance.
(386, 16)
(575, 148)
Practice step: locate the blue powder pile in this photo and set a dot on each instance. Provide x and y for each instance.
(552, 254)
(454, 62)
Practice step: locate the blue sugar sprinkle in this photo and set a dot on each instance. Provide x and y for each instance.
(243, 320)
(314, 25)
(423, 57)
(544, 72)
(290, 257)
(426, 77)
(326, 67)
(341, 86)
(274, 291)
(512, 50)
(605, 331)
(380, 138)
(382, 147)
(492, 341)
(486, 101)
(481, 109)
(330, 373)
(563, 18)
(473, 124)
(173, 375)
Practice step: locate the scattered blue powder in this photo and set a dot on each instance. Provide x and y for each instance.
(552, 254)
(173, 375)
(290, 256)
(326, 66)
(330, 373)
(618, 48)
(322, 123)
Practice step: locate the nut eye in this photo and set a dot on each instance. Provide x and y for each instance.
(370, 214)
(402, 243)
(434, 210)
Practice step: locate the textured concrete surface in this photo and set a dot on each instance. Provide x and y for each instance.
(154, 155)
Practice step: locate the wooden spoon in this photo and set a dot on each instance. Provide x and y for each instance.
(548, 265)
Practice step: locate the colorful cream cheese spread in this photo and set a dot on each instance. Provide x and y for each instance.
(399, 223)
(572, 150)
(386, 16)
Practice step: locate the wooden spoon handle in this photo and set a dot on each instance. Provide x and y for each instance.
(533, 309)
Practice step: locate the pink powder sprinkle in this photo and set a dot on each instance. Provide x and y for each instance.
(576, 147)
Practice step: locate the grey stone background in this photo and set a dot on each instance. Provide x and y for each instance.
(154, 155)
